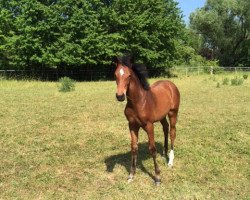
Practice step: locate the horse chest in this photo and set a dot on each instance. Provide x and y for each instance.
(135, 116)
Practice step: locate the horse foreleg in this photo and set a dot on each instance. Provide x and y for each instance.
(134, 129)
(152, 149)
(172, 119)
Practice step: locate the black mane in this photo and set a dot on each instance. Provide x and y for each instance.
(140, 70)
(142, 74)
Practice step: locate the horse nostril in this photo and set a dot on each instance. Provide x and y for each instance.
(120, 97)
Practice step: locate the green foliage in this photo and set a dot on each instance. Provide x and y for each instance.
(245, 76)
(213, 78)
(149, 29)
(224, 26)
(225, 81)
(77, 33)
(189, 57)
(188, 51)
(237, 81)
(218, 85)
(66, 84)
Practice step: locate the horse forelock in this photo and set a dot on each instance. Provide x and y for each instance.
(140, 70)
(125, 60)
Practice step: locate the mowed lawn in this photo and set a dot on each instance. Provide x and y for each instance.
(76, 145)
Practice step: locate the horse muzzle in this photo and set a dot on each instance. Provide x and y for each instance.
(120, 97)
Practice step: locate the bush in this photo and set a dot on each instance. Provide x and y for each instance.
(237, 81)
(212, 78)
(2, 77)
(66, 84)
(245, 76)
(225, 81)
(218, 85)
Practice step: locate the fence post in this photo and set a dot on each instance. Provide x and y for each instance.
(211, 70)
(186, 71)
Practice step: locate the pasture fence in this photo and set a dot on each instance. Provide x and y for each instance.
(108, 73)
(198, 70)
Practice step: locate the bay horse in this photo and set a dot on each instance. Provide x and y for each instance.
(145, 105)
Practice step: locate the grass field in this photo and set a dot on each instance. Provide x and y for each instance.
(76, 145)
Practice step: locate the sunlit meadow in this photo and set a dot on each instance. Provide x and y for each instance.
(76, 145)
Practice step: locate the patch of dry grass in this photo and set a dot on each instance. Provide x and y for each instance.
(76, 145)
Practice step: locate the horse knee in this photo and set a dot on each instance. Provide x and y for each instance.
(152, 150)
(134, 148)
(172, 127)
(172, 137)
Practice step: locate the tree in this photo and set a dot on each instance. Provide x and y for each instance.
(224, 26)
(6, 31)
(67, 34)
(147, 28)
(24, 44)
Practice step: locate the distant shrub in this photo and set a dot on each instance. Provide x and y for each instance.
(245, 76)
(66, 84)
(218, 85)
(213, 78)
(225, 81)
(237, 81)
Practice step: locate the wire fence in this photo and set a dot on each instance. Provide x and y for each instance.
(56, 74)
(108, 73)
(187, 71)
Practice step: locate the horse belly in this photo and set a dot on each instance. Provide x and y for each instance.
(162, 108)
(162, 101)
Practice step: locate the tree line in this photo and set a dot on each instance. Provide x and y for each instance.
(79, 34)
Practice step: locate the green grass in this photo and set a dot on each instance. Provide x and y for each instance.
(76, 145)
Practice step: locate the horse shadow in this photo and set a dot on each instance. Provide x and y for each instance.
(124, 159)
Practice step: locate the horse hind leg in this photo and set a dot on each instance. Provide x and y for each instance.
(172, 120)
(165, 127)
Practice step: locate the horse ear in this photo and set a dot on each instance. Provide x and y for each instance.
(132, 59)
(115, 60)
(128, 59)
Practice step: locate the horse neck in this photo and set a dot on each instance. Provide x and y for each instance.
(136, 94)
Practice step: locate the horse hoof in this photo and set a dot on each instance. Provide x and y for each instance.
(157, 183)
(170, 165)
(130, 178)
